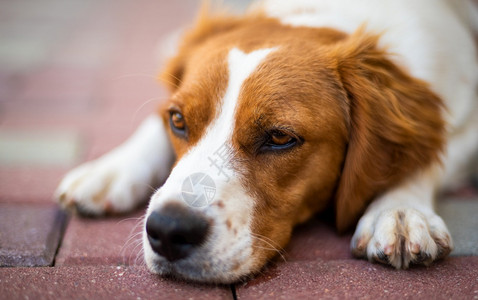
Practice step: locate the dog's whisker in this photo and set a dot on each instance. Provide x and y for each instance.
(134, 251)
(149, 186)
(137, 254)
(128, 219)
(271, 247)
(133, 117)
(179, 81)
(140, 257)
(133, 238)
(265, 238)
(133, 246)
(133, 235)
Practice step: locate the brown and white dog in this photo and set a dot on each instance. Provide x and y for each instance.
(370, 105)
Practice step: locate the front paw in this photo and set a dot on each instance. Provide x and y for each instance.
(107, 185)
(401, 237)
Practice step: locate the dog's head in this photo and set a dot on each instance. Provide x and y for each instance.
(270, 124)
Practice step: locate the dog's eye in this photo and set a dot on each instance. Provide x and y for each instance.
(177, 121)
(279, 140)
(178, 124)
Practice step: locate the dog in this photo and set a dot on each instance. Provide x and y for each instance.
(367, 106)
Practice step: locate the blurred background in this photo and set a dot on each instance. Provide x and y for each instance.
(76, 78)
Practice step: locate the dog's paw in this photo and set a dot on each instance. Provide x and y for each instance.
(401, 237)
(111, 184)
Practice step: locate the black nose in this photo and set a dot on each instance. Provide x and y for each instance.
(175, 230)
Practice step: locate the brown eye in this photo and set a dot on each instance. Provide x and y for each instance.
(280, 138)
(177, 120)
(178, 124)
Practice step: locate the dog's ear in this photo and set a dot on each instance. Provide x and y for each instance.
(396, 125)
(205, 26)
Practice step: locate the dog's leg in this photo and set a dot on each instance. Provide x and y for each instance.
(462, 154)
(122, 178)
(400, 227)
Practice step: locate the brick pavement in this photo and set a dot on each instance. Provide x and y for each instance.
(76, 78)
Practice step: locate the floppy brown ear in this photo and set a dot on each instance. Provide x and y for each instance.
(205, 27)
(396, 125)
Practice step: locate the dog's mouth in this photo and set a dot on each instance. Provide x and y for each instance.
(203, 264)
(199, 269)
(186, 243)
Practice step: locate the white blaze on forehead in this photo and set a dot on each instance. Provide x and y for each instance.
(241, 66)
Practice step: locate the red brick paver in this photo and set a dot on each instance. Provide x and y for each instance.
(454, 278)
(116, 241)
(30, 234)
(100, 282)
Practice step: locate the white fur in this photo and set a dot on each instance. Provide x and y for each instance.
(120, 179)
(224, 249)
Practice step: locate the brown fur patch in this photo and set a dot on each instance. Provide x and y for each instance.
(396, 125)
(228, 224)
